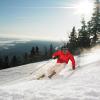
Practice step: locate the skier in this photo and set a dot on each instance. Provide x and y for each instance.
(63, 56)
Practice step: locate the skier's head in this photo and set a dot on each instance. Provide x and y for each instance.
(64, 49)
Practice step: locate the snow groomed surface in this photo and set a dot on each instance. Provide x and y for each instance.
(82, 84)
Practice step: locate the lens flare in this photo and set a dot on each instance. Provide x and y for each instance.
(84, 8)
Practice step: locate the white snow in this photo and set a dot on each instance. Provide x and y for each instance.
(82, 84)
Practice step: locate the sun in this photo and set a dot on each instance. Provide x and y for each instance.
(84, 8)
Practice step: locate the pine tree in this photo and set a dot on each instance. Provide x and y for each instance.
(14, 61)
(45, 51)
(73, 35)
(6, 61)
(89, 28)
(1, 63)
(83, 30)
(26, 56)
(84, 36)
(32, 51)
(51, 50)
(72, 45)
(37, 50)
(95, 20)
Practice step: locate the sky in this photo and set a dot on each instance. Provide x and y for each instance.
(41, 19)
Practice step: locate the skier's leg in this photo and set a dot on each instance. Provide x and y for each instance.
(51, 71)
(59, 68)
(56, 69)
(40, 74)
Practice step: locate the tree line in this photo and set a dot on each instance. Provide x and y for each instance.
(34, 55)
(88, 33)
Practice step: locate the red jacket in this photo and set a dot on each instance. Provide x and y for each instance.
(64, 58)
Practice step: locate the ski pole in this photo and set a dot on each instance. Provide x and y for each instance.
(42, 65)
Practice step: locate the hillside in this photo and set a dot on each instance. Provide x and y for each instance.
(82, 84)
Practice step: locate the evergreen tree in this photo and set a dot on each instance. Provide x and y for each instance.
(51, 50)
(1, 63)
(45, 51)
(73, 33)
(72, 45)
(84, 36)
(19, 60)
(32, 55)
(6, 62)
(37, 50)
(14, 61)
(32, 51)
(83, 30)
(95, 20)
(25, 57)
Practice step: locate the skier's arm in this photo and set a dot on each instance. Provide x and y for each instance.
(72, 60)
(55, 55)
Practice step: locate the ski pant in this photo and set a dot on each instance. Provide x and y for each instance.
(56, 68)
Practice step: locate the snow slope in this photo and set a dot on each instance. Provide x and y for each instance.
(82, 84)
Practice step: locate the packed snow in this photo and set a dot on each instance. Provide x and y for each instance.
(19, 83)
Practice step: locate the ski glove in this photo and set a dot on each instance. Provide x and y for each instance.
(73, 67)
(56, 57)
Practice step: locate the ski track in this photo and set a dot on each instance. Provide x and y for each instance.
(81, 84)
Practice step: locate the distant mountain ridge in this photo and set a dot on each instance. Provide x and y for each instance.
(12, 47)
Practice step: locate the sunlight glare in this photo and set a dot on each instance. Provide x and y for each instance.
(84, 8)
